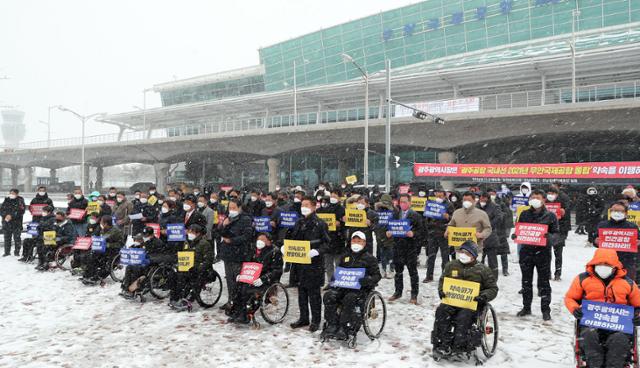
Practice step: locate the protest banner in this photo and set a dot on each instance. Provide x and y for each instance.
(605, 316)
(418, 203)
(49, 238)
(133, 257)
(93, 207)
(531, 234)
(348, 278)
(351, 179)
(250, 272)
(555, 208)
(156, 229)
(355, 218)
(329, 218)
(36, 209)
(186, 260)
(384, 217)
(621, 240)
(297, 251)
(399, 228)
(76, 214)
(176, 232)
(98, 244)
(82, 243)
(262, 224)
(32, 228)
(459, 235)
(460, 293)
(288, 219)
(435, 210)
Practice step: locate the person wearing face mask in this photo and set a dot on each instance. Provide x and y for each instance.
(604, 281)
(564, 223)
(618, 220)
(65, 235)
(452, 325)
(168, 216)
(105, 209)
(405, 250)
(191, 214)
(153, 192)
(132, 274)
(181, 283)
(362, 203)
(207, 212)
(255, 205)
(310, 276)
(504, 230)
(270, 258)
(112, 194)
(98, 264)
(47, 222)
(121, 211)
(269, 205)
(384, 245)
(471, 216)
(589, 210)
(456, 200)
(537, 257)
(148, 211)
(344, 324)
(78, 202)
(41, 199)
(491, 243)
(236, 238)
(337, 243)
(435, 233)
(12, 211)
(157, 253)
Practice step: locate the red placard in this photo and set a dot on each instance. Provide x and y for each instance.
(621, 240)
(82, 243)
(226, 188)
(156, 229)
(110, 203)
(531, 234)
(555, 207)
(403, 189)
(250, 272)
(36, 209)
(77, 214)
(582, 170)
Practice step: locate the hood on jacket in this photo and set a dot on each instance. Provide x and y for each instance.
(608, 257)
(527, 186)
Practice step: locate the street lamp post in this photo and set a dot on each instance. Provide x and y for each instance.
(83, 119)
(387, 133)
(365, 75)
(574, 14)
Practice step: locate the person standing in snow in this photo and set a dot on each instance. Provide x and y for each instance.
(589, 209)
(618, 220)
(554, 195)
(12, 210)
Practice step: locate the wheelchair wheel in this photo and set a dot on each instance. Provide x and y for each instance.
(374, 315)
(488, 322)
(63, 257)
(117, 270)
(275, 303)
(159, 281)
(211, 291)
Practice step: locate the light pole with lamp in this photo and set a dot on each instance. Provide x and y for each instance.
(348, 59)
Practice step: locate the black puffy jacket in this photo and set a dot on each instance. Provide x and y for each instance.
(364, 260)
(240, 231)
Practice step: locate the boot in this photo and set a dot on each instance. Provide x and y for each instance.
(341, 334)
(427, 280)
(298, 324)
(546, 316)
(394, 297)
(526, 311)
(330, 331)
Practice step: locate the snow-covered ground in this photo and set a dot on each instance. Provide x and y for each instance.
(52, 320)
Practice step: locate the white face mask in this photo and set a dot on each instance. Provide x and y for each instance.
(604, 271)
(172, 199)
(535, 203)
(306, 211)
(319, 198)
(296, 200)
(439, 200)
(493, 197)
(233, 213)
(254, 198)
(333, 200)
(201, 204)
(467, 204)
(152, 192)
(42, 193)
(186, 207)
(422, 194)
(483, 204)
(357, 247)
(77, 196)
(196, 193)
(164, 210)
(321, 188)
(100, 203)
(213, 200)
(360, 206)
(551, 197)
(145, 239)
(191, 236)
(618, 216)
(137, 196)
(120, 200)
(13, 196)
(160, 201)
(45, 214)
(464, 258)
(92, 221)
(268, 203)
(260, 244)
(324, 205)
(454, 199)
(143, 200)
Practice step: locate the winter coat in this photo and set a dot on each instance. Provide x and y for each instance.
(565, 221)
(65, 233)
(255, 208)
(496, 220)
(475, 272)
(437, 227)
(589, 209)
(40, 200)
(364, 260)
(14, 208)
(114, 238)
(166, 219)
(208, 215)
(473, 217)
(629, 260)
(81, 204)
(271, 260)
(204, 253)
(381, 230)
(372, 216)
(403, 245)
(314, 230)
(239, 230)
(531, 216)
(196, 218)
(122, 211)
(588, 286)
(47, 223)
(149, 213)
(337, 245)
(155, 246)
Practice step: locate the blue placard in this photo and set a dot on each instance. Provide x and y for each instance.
(262, 224)
(114, 222)
(605, 316)
(176, 232)
(348, 278)
(399, 228)
(635, 206)
(288, 219)
(435, 210)
(98, 244)
(32, 228)
(133, 257)
(518, 201)
(383, 217)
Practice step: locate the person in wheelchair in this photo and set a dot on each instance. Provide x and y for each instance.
(97, 266)
(80, 257)
(46, 222)
(156, 253)
(272, 265)
(181, 283)
(452, 327)
(65, 234)
(347, 323)
(604, 281)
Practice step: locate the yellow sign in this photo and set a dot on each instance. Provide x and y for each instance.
(351, 179)
(225, 203)
(93, 207)
(460, 293)
(215, 217)
(186, 260)
(519, 211)
(632, 216)
(343, 199)
(152, 200)
(297, 251)
(355, 218)
(329, 218)
(418, 203)
(49, 237)
(459, 235)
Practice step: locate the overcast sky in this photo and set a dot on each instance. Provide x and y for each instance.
(98, 56)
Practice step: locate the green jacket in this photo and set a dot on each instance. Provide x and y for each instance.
(204, 253)
(114, 238)
(476, 272)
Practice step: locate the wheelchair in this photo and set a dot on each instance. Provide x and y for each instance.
(632, 359)
(207, 295)
(273, 305)
(484, 334)
(371, 311)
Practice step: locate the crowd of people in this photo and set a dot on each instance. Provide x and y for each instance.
(220, 226)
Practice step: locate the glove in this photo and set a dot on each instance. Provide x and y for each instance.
(441, 294)
(578, 313)
(282, 250)
(313, 253)
(237, 278)
(257, 283)
(480, 299)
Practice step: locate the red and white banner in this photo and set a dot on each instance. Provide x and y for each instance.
(555, 208)
(531, 234)
(83, 243)
(250, 272)
(403, 189)
(36, 209)
(621, 240)
(77, 214)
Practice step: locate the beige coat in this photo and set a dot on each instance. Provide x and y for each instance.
(473, 217)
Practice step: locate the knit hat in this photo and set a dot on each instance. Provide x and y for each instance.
(386, 199)
(470, 247)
